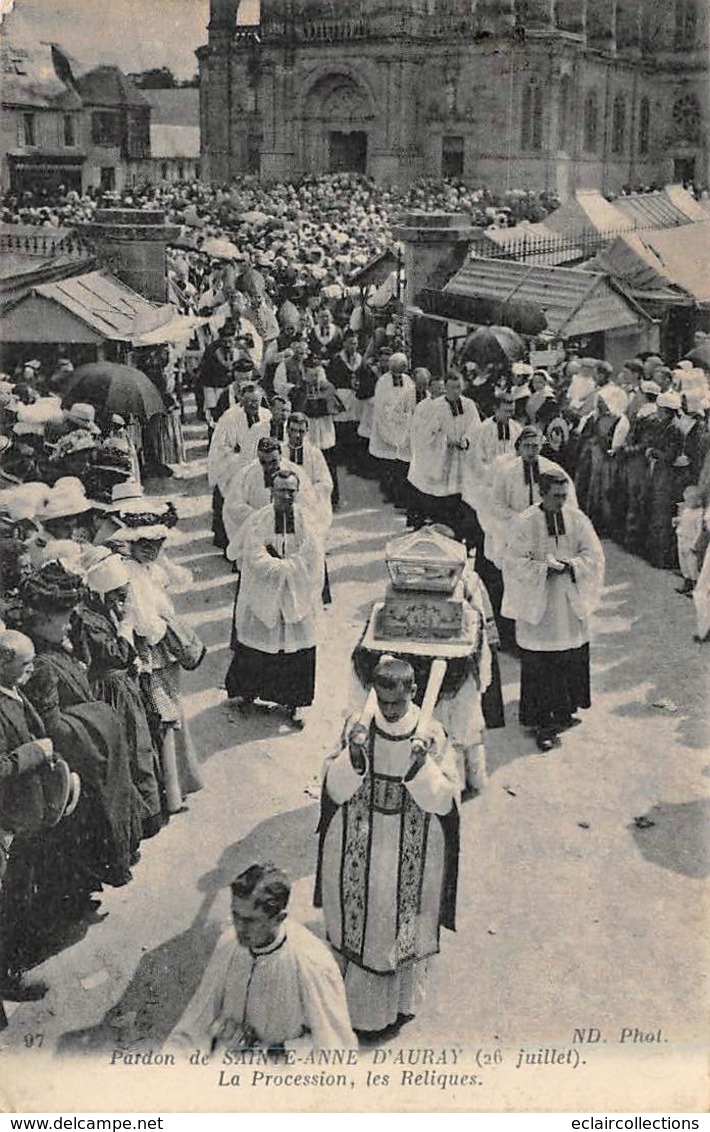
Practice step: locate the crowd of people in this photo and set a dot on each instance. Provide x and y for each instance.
(299, 380)
(95, 749)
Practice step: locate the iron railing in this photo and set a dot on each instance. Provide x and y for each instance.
(568, 248)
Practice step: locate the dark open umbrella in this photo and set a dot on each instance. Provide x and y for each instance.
(523, 316)
(700, 356)
(114, 388)
(493, 344)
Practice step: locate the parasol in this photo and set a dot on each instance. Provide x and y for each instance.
(493, 344)
(700, 356)
(114, 388)
(220, 248)
(254, 217)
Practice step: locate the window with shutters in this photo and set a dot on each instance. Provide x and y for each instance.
(69, 130)
(29, 129)
(106, 127)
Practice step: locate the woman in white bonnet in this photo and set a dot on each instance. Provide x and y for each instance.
(164, 643)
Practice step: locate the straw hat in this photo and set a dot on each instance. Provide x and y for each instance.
(669, 400)
(83, 415)
(651, 387)
(66, 498)
(522, 368)
(25, 500)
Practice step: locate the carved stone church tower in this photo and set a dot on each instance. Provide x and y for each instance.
(546, 94)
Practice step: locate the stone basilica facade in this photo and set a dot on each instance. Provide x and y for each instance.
(541, 94)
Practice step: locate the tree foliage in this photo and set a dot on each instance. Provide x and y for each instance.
(160, 78)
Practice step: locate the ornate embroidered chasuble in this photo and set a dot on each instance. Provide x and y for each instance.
(394, 865)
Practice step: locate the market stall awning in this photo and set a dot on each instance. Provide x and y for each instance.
(574, 302)
(671, 260)
(376, 271)
(588, 211)
(180, 327)
(92, 307)
(663, 208)
(48, 158)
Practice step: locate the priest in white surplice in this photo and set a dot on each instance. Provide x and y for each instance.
(276, 614)
(494, 443)
(231, 448)
(394, 403)
(302, 454)
(453, 424)
(496, 437)
(424, 467)
(515, 488)
(553, 574)
(275, 427)
(250, 490)
(388, 851)
(276, 983)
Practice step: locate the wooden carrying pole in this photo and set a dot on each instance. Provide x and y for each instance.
(437, 672)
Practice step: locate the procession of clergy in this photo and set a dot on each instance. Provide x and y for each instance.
(90, 670)
(388, 834)
(524, 468)
(90, 667)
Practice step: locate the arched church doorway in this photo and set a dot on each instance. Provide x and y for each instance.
(347, 152)
(336, 123)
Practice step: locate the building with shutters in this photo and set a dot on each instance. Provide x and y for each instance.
(540, 94)
(62, 124)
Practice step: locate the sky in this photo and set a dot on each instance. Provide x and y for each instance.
(134, 34)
